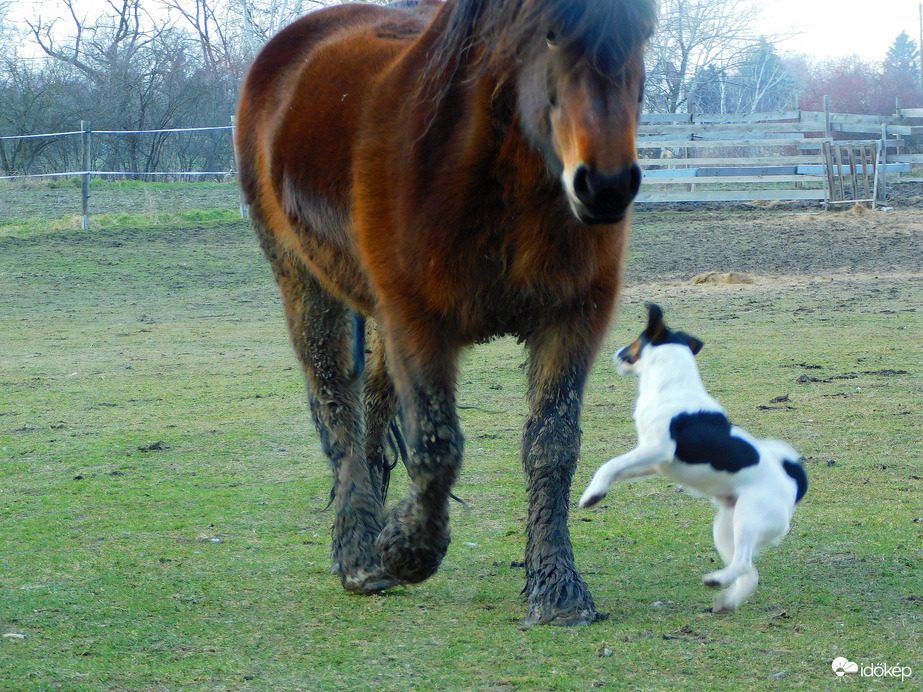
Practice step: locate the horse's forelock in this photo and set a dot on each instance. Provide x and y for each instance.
(605, 31)
(492, 36)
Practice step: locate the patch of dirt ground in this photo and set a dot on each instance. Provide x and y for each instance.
(676, 245)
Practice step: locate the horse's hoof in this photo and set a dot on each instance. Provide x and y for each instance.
(413, 543)
(564, 618)
(564, 601)
(368, 583)
(406, 556)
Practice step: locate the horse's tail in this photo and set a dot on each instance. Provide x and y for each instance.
(398, 447)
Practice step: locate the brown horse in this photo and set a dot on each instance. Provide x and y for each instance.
(453, 171)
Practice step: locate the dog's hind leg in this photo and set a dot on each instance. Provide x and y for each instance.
(755, 522)
(746, 534)
(723, 533)
(737, 593)
(723, 530)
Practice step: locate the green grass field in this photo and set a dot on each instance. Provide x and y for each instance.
(162, 488)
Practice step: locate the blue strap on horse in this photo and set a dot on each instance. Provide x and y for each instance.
(395, 435)
(358, 344)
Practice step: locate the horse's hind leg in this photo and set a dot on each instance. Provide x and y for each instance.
(321, 328)
(384, 442)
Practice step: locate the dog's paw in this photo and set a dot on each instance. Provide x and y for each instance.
(714, 580)
(724, 603)
(590, 498)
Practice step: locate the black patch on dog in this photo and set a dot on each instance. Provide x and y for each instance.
(705, 438)
(796, 471)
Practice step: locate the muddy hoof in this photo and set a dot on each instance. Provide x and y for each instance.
(564, 617)
(412, 550)
(565, 601)
(368, 583)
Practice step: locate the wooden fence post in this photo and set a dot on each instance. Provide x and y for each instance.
(883, 162)
(85, 164)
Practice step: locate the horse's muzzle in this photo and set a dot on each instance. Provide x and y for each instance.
(603, 198)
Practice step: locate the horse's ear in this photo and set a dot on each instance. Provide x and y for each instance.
(655, 325)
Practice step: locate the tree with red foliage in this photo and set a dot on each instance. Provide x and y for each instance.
(853, 85)
(859, 86)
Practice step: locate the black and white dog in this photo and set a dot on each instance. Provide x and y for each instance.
(683, 433)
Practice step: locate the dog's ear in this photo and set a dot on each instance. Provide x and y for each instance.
(695, 344)
(655, 325)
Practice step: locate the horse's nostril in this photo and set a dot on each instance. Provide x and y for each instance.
(582, 184)
(635, 179)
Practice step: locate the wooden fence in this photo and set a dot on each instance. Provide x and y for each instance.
(772, 156)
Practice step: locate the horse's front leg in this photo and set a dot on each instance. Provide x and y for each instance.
(416, 536)
(557, 594)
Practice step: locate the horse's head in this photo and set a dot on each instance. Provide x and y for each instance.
(579, 90)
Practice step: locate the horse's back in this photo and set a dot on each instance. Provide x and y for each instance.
(301, 108)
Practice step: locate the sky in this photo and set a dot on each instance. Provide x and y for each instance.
(823, 28)
(835, 28)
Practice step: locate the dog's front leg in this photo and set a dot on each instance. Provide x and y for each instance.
(638, 462)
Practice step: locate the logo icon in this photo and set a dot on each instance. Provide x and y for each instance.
(842, 665)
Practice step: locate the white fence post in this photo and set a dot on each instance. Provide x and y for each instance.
(244, 210)
(85, 163)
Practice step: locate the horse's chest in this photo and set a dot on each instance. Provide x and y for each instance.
(504, 301)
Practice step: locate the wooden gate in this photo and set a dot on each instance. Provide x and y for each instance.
(852, 172)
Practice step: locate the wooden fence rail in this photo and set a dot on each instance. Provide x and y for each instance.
(781, 155)
(772, 156)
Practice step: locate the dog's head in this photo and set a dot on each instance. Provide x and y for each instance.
(628, 359)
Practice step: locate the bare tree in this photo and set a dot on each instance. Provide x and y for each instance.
(209, 20)
(696, 38)
(262, 19)
(5, 25)
(102, 47)
(763, 80)
(137, 73)
(760, 82)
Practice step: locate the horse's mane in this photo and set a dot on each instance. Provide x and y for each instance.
(497, 32)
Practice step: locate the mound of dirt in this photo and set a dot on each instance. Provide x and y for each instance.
(722, 278)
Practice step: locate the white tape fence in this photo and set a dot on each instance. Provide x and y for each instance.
(88, 156)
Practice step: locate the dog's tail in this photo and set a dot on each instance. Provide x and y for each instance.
(790, 461)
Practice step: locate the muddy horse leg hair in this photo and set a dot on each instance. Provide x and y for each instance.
(321, 329)
(556, 593)
(416, 536)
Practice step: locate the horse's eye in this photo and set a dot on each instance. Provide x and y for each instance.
(551, 38)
